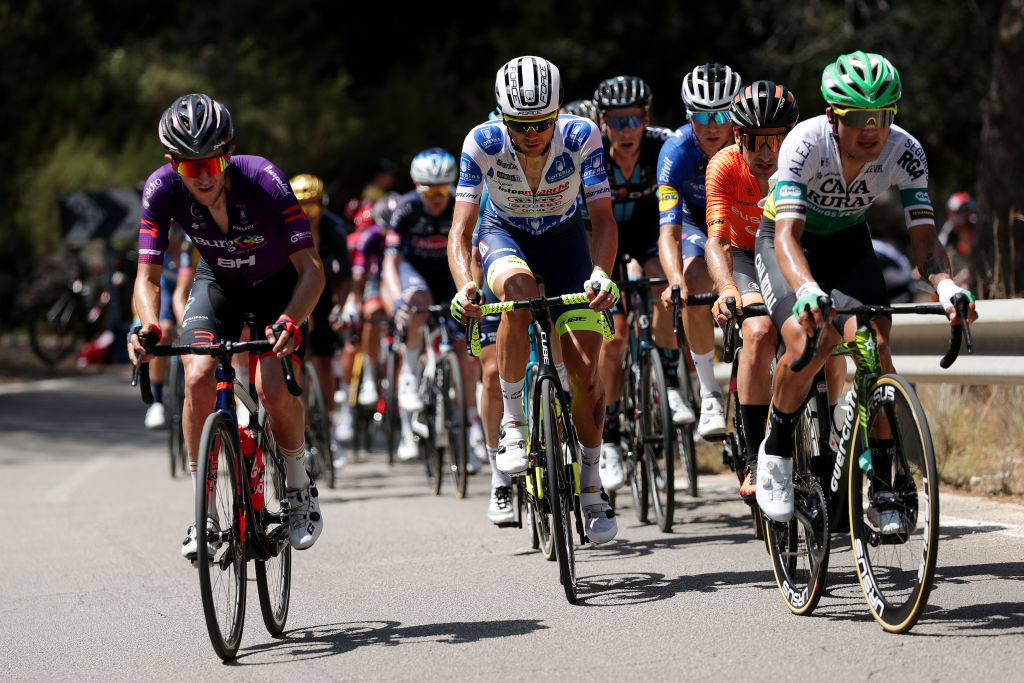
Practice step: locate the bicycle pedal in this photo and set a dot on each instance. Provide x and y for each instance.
(715, 438)
(506, 525)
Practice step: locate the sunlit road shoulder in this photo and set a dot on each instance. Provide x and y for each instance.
(407, 586)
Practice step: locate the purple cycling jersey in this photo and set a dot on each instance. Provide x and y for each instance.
(266, 223)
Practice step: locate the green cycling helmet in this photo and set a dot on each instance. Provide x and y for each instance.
(863, 80)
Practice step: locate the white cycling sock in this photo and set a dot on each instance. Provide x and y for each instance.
(512, 400)
(410, 360)
(590, 475)
(498, 478)
(705, 365)
(295, 476)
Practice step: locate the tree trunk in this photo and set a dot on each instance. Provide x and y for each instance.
(998, 252)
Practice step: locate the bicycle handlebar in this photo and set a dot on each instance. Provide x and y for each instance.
(703, 299)
(226, 349)
(733, 326)
(957, 333)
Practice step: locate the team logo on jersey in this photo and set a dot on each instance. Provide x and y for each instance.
(489, 138)
(668, 198)
(593, 168)
(469, 173)
(561, 168)
(484, 248)
(576, 133)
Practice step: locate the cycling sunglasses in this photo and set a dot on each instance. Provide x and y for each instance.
(862, 118)
(434, 190)
(525, 125)
(704, 118)
(753, 141)
(620, 122)
(192, 168)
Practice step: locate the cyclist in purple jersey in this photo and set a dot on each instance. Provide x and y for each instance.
(631, 148)
(257, 257)
(707, 92)
(415, 273)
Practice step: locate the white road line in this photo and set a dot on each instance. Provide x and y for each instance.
(1000, 528)
(35, 385)
(61, 493)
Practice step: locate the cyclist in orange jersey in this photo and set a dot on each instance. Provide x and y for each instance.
(736, 180)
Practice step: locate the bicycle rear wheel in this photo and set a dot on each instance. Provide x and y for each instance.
(559, 451)
(318, 430)
(687, 449)
(896, 567)
(453, 411)
(658, 435)
(174, 401)
(56, 324)
(221, 553)
(274, 575)
(392, 423)
(799, 548)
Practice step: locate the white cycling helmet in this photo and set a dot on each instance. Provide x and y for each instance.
(434, 166)
(528, 86)
(710, 87)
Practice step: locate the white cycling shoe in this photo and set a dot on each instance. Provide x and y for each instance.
(304, 520)
(886, 521)
(500, 510)
(408, 448)
(599, 518)
(682, 413)
(775, 486)
(408, 393)
(512, 456)
(610, 467)
(156, 417)
(712, 416)
(190, 546)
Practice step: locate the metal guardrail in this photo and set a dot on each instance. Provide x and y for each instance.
(918, 342)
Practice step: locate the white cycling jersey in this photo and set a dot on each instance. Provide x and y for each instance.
(575, 159)
(811, 188)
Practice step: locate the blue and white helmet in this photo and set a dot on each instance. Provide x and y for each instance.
(528, 86)
(434, 166)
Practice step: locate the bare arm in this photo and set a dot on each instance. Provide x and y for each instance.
(307, 292)
(180, 296)
(460, 242)
(794, 266)
(718, 256)
(146, 302)
(932, 262)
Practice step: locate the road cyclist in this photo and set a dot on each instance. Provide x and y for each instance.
(257, 256)
(533, 164)
(708, 92)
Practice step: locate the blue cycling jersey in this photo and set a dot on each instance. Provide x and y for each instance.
(681, 194)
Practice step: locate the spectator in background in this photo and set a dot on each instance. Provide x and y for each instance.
(957, 234)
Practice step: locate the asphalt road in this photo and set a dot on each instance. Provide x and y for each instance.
(406, 586)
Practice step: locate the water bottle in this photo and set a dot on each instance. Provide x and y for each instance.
(843, 411)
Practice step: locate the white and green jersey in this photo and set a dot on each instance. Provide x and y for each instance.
(810, 185)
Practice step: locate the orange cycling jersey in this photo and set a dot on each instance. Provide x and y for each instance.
(733, 194)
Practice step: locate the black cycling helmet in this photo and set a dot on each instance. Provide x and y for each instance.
(195, 126)
(585, 108)
(622, 91)
(764, 104)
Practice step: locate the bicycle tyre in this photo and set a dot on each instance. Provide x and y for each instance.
(687, 447)
(799, 548)
(433, 453)
(896, 570)
(274, 575)
(453, 412)
(392, 423)
(561, 481)
(56, 324)
(221, 575)
(636, 473)
(657, 433)
(174, 399)
(318, 430)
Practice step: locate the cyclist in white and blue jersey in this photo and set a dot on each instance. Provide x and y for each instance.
(708, 92)
(534, 164)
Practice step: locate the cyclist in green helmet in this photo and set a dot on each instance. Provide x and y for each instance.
(831, 168)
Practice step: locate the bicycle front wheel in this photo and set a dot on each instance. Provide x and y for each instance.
(453, 410)
(658, 436)
(894, 506)
(392, 423)
(221, 552)
(274, 575)
(799, 548)
(559, 451)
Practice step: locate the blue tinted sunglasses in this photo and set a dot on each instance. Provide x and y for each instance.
(704, 118)
(620, 122)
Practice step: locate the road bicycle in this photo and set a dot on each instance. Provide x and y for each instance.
(241, 512)
(880, 481)
(552, 475)
(442, 430)
(174, 401)
(318, 427)
(650, 438)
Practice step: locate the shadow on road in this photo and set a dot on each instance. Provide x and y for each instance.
(334, 639)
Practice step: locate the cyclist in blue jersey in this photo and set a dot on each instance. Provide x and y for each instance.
(534, 164)
(415, 273)
(175, 281)
(632, 147)
(813, 245)
(708, 92)
(258, 257)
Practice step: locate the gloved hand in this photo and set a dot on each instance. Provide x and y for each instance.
(600, 282)
(470, 293)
